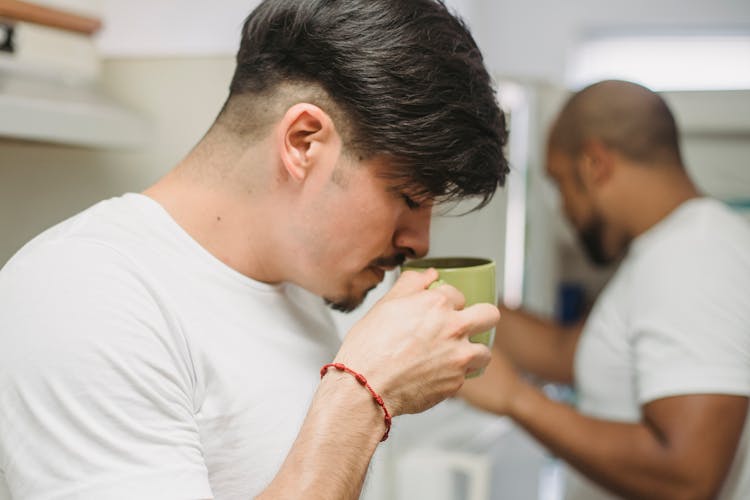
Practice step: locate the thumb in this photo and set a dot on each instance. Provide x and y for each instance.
(411, 282)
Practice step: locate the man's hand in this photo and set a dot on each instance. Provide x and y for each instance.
(496, 388)
(413, 345)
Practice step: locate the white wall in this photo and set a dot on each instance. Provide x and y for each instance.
(41, 184)
(188, 27)
(530, 39)
(526, 40)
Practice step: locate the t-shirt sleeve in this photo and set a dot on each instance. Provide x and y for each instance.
(691, 321)
(95, 382)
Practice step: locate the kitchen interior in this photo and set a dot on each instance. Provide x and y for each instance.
(99, 113)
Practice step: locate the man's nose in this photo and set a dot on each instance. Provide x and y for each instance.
(412, 237)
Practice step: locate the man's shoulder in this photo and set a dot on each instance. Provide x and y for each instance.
(105, 229)
(705, 251)
(712, 218)
(706, 231)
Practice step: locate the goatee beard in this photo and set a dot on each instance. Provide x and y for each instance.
(347, 304)
(344, 306)
(350, 303)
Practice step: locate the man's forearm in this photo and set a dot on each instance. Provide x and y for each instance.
(536, 345)
(330, 456)
(627, 458)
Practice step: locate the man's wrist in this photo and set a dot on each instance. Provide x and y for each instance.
(362, 380)
(523, 400)
(341, 394)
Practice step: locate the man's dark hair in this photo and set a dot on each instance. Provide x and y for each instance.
(405, 76)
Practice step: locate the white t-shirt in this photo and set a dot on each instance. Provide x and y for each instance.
(134, 364)
(674, 320)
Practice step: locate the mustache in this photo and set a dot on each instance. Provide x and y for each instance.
(391, 261)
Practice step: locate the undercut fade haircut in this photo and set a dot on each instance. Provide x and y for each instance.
(402, 79)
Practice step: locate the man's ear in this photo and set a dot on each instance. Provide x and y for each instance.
(306, 136)
(597, 163)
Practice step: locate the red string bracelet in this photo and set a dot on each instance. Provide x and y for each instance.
(363, 381)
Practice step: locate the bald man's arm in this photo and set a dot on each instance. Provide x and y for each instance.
(536, 345)
(681, 449)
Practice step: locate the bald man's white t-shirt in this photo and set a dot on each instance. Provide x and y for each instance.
(674, 320)
(134, 364)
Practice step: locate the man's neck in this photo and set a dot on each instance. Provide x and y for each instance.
(656, 196)
(225, 219)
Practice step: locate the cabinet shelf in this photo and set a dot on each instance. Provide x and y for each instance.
(39, 109)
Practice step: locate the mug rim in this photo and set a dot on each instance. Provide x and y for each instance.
(446, 263)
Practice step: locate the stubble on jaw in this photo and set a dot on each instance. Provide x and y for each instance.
(351, 300)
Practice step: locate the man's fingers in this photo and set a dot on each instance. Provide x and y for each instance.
(454, 295)
(481, 356)
(412, 281)
(479, 318)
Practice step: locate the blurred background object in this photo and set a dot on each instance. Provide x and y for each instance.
(50, 77)
(89, 113)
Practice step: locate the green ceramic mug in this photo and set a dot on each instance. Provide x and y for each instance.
(474, 277)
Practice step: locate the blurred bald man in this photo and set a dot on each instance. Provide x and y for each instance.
(661, 366)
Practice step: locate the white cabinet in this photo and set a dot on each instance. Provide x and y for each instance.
(38, 109)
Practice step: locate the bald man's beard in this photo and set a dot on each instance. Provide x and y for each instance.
(592, 239)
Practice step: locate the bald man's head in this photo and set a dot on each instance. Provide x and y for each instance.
(624, 116)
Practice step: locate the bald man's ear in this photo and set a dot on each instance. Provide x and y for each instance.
(597, 163)
(307, 138)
